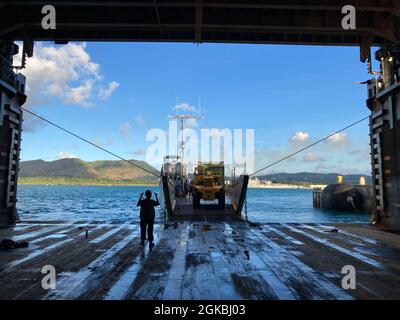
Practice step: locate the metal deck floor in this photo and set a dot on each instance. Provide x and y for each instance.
(230, 261)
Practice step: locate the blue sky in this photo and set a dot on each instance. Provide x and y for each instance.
(113, 93)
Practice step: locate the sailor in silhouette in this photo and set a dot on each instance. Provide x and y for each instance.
(147, 216)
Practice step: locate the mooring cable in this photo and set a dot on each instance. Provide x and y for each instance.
(156, 175)
(309, 146)
(87, 141)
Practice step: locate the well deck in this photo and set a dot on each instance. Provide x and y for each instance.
(232, 260)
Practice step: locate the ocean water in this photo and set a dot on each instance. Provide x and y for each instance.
(100, 203)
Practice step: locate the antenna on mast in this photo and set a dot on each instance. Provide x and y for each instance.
(182, 118)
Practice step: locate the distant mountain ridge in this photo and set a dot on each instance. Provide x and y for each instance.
(316, 178)
(118, 170)
(77, 168)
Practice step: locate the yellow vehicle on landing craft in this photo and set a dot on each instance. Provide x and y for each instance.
(209, 183)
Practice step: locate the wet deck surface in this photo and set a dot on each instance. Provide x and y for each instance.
(230, 261)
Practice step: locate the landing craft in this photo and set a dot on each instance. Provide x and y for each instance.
(186, 196)
(176, 197)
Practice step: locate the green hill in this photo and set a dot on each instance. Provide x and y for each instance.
(77, 171)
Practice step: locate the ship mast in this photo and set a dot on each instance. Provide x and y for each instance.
(182, 118)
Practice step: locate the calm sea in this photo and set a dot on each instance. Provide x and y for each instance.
(39, 202)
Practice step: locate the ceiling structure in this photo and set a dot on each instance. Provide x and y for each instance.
(252, 21)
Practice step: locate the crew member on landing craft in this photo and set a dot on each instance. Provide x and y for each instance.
(147, 216)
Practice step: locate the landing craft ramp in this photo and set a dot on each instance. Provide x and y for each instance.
(178, 209)
(207, 212)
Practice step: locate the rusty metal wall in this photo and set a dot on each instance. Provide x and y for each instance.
(384, 103)
(12, 87)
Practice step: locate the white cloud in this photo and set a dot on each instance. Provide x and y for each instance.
(80, 95)
(300, 136)
(106, 93)
(124, 129)
(64, 72)
(186, 107)
(60, 71)
(337, 138)
(338, 154)
(338, 142)
(310, 157)
(139, 120)
(65, 155)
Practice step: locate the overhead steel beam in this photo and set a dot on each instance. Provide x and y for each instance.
(157, 15)
(281, 5)
(221, 20)
(205, 27)
(199, 20)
